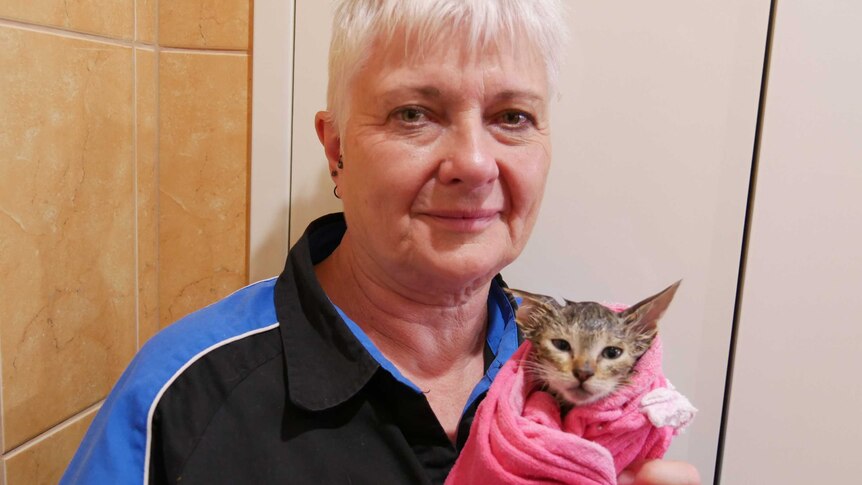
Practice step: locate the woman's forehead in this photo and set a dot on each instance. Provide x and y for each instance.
(398, 59)
(411, 48)
(453, 72)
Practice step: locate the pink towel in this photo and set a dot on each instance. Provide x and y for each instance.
(518, 436)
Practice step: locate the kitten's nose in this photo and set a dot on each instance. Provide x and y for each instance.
(583, 374)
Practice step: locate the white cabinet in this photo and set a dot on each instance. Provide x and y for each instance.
(797, 391)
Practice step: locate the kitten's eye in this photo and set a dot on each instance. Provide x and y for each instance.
(612, 352)
(561, 344)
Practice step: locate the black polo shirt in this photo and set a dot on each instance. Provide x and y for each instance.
(274, 384)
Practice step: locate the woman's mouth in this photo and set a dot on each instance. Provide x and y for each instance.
(463, 220)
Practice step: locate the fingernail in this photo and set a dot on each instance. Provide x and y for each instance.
(626, 478)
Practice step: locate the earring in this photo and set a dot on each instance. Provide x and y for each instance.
(340, 162)
(335, 192)
(334, 173)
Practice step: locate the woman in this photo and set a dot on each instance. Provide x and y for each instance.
(388, 323)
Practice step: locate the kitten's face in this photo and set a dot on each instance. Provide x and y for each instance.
(583, 351)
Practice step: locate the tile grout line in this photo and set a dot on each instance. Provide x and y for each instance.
(42, 29)
(292, 123)
(211, 52)
(249, 118)
(135, 176)
(157, 153)
(52, 430)
(2, 428)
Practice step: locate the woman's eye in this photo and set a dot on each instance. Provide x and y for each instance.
(515, 119)
(612, 352)
(410, 115)
(561, 344)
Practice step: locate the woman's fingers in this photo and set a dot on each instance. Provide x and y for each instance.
(660, 472)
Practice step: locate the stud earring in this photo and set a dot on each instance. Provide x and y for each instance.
(340, 162)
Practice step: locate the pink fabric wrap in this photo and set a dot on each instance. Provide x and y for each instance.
(518, 436)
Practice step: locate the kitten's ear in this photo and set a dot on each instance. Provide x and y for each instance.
(643, 316)
(533, 311)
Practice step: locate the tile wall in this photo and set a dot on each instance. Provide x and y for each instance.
(124, 141)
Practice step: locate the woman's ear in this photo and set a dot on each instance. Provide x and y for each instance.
(328, 136)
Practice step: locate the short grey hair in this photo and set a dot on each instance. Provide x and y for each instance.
(358, 23)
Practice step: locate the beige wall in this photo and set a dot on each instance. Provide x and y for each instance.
(123, 198)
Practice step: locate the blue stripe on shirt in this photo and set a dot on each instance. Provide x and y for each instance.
(115, 448)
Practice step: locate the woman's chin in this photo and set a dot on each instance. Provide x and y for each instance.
(454, 277)
(468, 265)
(470, 255)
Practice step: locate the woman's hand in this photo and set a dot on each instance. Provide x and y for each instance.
(660, 472)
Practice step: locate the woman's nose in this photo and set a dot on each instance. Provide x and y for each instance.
(468, 156)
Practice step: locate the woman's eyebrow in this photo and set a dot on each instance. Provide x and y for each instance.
(424, 91)
(511, 94)
(430, 92)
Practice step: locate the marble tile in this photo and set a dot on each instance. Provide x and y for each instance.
(66, 226)
(111, 18)
(145, 10)
(147, 195)
(44, 461)
(203, 174)
(210, 24)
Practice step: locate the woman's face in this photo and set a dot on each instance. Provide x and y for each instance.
(445, 159)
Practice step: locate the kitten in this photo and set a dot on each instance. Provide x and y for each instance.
(583, 351)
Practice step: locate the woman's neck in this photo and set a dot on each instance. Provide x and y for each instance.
(428, 334)
(434, 335)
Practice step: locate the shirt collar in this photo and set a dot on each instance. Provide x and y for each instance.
(327, 361)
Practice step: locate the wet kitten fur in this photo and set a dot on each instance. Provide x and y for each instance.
(583, 351)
